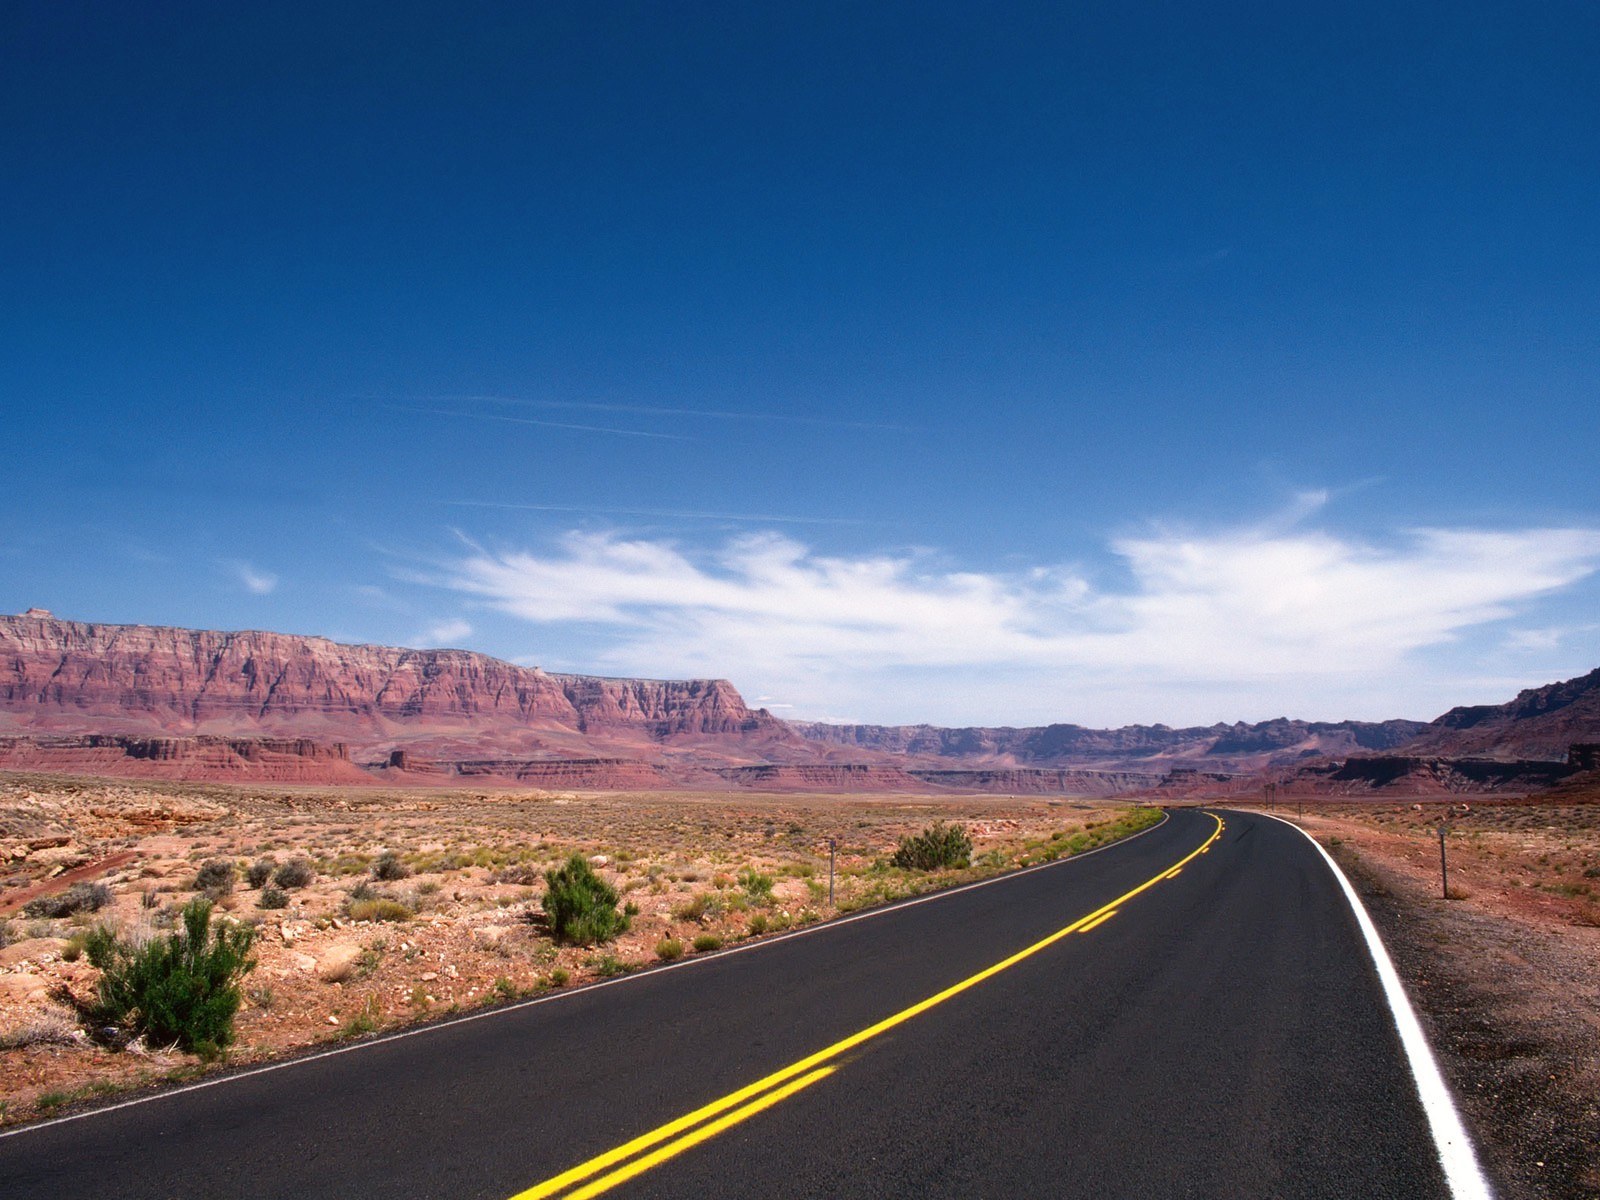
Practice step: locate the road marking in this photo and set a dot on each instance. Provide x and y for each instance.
(606, 1182)
(1462, 1174)
(769, 1090)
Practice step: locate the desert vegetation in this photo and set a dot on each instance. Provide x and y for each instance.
(939, 845)
(182, 989)
(581, 907)
(366, 910)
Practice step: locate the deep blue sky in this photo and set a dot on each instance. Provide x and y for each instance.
(897, 362)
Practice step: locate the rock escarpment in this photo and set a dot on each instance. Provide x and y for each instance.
(1540, 723)
(277, 760)
(185, 703)
(191, 703)
(142, 678)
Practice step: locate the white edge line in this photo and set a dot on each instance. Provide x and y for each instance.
(1462, 1173)
(583, 990)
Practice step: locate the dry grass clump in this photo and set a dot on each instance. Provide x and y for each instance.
(51, 1027)
(380, 909)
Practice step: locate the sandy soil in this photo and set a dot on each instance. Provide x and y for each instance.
(700, 870)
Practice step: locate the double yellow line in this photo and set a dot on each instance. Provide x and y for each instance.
(606, 1171)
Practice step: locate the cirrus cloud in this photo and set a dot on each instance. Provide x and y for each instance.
(254, 581)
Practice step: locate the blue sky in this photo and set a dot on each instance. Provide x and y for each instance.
(918, 362)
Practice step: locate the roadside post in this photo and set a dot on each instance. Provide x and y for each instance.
(833, 845)
(1444, 871)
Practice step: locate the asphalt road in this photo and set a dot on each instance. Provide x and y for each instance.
(1223, 1034)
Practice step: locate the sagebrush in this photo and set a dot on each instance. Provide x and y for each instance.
(260, 871)
(215, 876)
(296, 873)
(80, 897)
(939, 845)
(388, 867)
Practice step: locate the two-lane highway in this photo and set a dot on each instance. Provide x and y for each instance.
(1190, 1013)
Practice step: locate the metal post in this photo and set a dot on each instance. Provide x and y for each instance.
(833, 845)
(1444, 871)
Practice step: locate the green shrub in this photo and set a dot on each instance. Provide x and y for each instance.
(388, 867)
(260, 871)
(215, 877)
(559, 977)
(939, 845)
(182, 988)
(581, 906)
(273, 896)
(708, 941)
(296, 873)
(80, 897)
(669, 948)
(757, 887)
(758, 923)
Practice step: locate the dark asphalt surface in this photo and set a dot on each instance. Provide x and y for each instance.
(1223, 1035)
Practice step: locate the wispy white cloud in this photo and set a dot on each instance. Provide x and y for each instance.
(1262, 616)
(446, 633)
(649, 410)
(481, 416)
(663, 513)
(1551, 637)
(254, 581)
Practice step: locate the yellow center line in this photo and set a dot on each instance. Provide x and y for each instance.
(743, 1100)
(656, 1157)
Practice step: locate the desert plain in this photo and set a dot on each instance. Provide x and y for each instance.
(425, 904)
(457, 924)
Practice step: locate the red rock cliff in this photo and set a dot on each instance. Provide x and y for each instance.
(57, 674)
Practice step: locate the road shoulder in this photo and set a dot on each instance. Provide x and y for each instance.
(1510, 1009)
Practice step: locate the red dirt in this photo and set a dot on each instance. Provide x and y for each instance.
(64, 880)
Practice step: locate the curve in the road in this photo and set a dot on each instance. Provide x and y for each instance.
(1224, 1033)
(711, 1119)
(1456, 1157)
